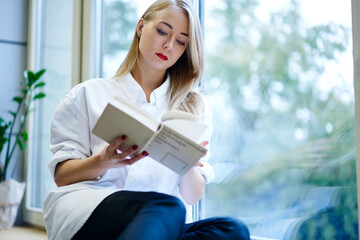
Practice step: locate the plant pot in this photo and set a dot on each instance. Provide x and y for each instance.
(11, 194)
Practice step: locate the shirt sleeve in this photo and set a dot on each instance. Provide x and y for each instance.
(207, 170)
(70, 131)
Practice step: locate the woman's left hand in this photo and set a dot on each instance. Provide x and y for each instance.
(204, 144)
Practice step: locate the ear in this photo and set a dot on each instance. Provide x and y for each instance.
(139, 27)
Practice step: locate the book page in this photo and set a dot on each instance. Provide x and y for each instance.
(177, 114)
(174, 150)
(135, 112)
(185, 123)
(114, 123)
(187, 128)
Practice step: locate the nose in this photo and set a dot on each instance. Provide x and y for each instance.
(168, 44)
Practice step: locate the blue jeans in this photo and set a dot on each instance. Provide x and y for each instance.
(127, 215)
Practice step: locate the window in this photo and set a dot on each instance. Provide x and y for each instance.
(119, 21)
(52, 38)
(279, 80)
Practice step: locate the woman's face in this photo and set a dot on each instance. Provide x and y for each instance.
(163, 39)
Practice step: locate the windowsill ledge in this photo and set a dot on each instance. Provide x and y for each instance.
(20, 232)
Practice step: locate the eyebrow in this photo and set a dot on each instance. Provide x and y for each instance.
(171, 27)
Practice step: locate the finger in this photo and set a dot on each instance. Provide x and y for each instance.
(116, 143)
(199, 164)
(204, 143)
(134, 159)
(126, 153)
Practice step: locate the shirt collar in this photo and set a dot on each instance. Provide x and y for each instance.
(130, 87)
(160, 92)
(133, 90)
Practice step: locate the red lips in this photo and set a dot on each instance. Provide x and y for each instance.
(162, 56)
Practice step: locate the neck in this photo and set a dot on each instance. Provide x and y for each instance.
(148, 79)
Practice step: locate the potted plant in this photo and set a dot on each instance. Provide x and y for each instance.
(12, 135)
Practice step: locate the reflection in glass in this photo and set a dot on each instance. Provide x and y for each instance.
(119, 21)
(279, 82)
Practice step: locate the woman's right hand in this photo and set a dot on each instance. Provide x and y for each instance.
(112, 157)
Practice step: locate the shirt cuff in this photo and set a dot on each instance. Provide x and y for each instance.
(61, 156)
(206, 171)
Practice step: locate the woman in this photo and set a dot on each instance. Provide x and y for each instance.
(106, 194)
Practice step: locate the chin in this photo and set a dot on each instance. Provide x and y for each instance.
(161, 67)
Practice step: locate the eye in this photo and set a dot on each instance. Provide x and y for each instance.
(180, 42)
(161, 32)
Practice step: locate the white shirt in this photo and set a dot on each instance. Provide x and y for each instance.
(67, 208)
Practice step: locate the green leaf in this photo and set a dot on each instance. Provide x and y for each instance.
(38, 96)
(18, 99)
(39, 74)
(30, 77)
(12, 113)
(24, 91)
(21, 145)
(3, 126)
(2, 143)
(25, 136)
(40, 84)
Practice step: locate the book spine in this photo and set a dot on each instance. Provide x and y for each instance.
(152, 138)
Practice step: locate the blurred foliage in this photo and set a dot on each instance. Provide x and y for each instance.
(119, 28)
(272, 73)
(339, 222)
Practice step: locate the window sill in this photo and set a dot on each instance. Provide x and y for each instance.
(22, 232)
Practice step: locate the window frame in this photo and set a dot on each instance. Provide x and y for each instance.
(355, 6)
(33, 215)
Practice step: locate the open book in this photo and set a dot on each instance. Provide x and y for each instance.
(174, 142)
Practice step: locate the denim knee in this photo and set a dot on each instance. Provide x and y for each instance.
(232, 228)
(238, 230)
(176, 204)
(170, 204)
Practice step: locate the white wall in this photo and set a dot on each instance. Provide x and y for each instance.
(13, 50)
(13, 55)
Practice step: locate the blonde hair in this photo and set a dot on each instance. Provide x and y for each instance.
(186, 73)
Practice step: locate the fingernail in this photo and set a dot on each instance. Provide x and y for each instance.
(134, 147)
(145, 153)
(123, 137)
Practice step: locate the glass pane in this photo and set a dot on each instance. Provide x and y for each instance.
(55, 56)
(120, 18)
(279, 81)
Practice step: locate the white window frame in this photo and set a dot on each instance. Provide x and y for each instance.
(32, 215)
(80, 70)
(87, 40)
(91, 39)
(355, 6)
